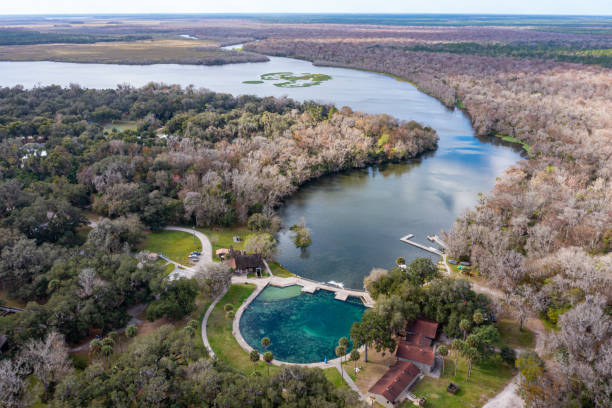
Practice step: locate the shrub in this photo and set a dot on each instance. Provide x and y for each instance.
(508, 354)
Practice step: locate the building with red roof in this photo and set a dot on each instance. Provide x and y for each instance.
(390, 390)
(418, 346)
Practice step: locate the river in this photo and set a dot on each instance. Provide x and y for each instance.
(356, 218)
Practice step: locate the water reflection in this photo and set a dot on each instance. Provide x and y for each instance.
(356, 218)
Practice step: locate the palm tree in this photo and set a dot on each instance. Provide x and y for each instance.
(254, 357)
(340, 351)
(344, 343)
(265, 343)
(107, 351)
(443, 351)
(131, 331)
(94, 348)
(268, 357)
(189, 330)
(465, 325)
(354, 357)
(455, 347)
(468, 352)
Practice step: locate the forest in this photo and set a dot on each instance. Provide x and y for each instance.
(543, 234)
(192, 157)
(25, 37)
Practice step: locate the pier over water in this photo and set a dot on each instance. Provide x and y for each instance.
(407, 239)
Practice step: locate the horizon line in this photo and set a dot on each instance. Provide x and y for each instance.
(298, 13)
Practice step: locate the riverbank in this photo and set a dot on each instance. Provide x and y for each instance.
(146, 52)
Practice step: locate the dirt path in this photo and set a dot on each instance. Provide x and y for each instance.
(537, 327)
(508, 397)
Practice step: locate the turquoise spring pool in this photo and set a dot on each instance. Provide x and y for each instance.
(302, 327)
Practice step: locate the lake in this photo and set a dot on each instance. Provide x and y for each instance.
(356, 218)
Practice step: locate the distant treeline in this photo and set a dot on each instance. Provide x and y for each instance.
(545, 50)
(21, 37)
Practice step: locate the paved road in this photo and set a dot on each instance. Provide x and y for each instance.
(205, 257)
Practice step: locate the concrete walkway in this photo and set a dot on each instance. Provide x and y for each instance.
(205, 323)
(310, 286)
(261, 285)
(349, 380)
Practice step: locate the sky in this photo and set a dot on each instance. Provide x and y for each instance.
(586, 7)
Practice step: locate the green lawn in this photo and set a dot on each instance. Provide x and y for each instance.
(465, 271)
(515, 140)
(485, 382)
(511, 334)
(349, 367)
(278, 270)
(224, 237)
(222, 341)
(168, 268)
(176, 245)
(121, 125)
(8, 301)
(333, 375)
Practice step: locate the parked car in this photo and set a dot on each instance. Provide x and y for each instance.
(493, 318)
(452, 262)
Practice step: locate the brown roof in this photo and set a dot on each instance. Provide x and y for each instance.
(412, 352)
(423, 327)
(395, 381)
(417, 340)
(248, 261)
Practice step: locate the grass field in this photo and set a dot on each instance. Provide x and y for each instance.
(11, 302)
(485, 382)
(222, 340)
(278, 270)
(224, 237)
(176, 245)
(465, 271)
(514, 140)
(333, 375)
(120, 125)
(511, 335)
(155, 51)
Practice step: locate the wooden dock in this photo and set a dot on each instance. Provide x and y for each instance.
(407, 240)
(437, 240)
(310, 286)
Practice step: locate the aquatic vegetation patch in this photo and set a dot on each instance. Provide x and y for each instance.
(291, 80)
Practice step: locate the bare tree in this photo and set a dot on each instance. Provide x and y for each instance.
(88, 281)
(48, 359)
(214, 278)
(585, 335)
(375, 274)
(520, 303)
(12, 384)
